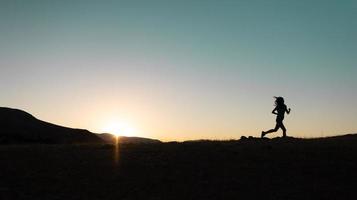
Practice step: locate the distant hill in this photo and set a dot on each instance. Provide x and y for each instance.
(109, 138)
(17, 126)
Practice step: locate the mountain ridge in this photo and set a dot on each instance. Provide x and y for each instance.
(18, 126)
(110, 138)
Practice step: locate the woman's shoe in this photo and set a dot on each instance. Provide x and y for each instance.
(263, 134)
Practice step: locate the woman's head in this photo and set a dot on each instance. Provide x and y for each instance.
(279, 101)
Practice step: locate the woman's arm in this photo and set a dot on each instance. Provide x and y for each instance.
(274, 111)
(288, 111)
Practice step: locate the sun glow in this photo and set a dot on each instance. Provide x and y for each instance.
(119, 129)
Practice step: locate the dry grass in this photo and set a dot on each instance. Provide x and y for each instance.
(246, 169)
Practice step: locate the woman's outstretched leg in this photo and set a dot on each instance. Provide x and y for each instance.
(271, 130)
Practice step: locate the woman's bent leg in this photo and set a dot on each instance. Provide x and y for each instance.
(284, 129)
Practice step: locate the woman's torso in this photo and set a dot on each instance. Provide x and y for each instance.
(281, 110)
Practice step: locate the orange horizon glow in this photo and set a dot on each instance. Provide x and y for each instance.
(119, 128)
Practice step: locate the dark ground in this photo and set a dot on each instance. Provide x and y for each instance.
(247, 169)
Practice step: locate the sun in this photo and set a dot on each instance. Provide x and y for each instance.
(119, 128)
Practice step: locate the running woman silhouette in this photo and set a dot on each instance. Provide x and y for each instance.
(279, 110)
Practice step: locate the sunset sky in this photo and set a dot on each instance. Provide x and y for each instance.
(180, 70)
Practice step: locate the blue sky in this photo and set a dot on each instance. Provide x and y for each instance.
(182, 69)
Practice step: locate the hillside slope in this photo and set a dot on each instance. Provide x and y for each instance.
(17, 126)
